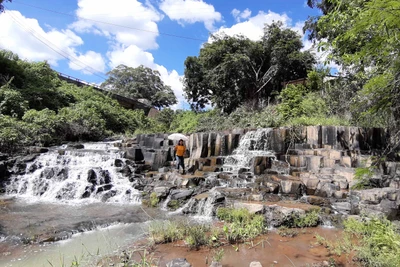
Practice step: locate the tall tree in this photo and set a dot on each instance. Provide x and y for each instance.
(140, 82)
(363, 35)
(1, 4)
(230, 71)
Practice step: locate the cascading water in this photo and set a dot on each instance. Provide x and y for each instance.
(252, 144)
(92, 174)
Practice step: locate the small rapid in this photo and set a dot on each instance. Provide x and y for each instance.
(92, 174)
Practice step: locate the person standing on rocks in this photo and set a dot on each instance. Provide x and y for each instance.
(179, 151)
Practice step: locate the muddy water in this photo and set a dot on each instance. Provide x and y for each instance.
(301, 250)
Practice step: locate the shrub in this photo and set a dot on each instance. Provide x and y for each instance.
(154, 200)
(196, 236)
(379, 242)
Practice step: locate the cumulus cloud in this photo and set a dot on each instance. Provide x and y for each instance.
(253, 26)
(139, 21)
(238, 15)
(27, 38)
(92, 59)
(191, 11)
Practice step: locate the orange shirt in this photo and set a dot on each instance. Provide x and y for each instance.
(180, 150)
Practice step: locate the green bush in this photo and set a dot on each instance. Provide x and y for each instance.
(378, 241)
(14, 134)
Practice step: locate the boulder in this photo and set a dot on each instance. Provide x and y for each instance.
(276, 215)
(251, 207)
(180, 262)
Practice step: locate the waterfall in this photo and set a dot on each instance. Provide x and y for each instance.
(92, 174)
(252, 144)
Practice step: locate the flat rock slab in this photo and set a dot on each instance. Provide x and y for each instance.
(251, 207)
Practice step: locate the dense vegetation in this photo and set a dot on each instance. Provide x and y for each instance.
(37, 108)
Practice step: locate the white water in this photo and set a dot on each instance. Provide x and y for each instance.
(63, 177)
(252, 144)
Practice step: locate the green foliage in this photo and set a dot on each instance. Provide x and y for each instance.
(12, 102)
(233, 70)
(185, 122)
(167, 231)
(240, 224)
(48, 111)
(309, 219)
(13, 133)
(291, 98)
(362, 36)
(154, 200)
(140, 82)
(1, 4)
(233, 215)
(362, 178)
(324, 121)
(196, 236)
(379, 241)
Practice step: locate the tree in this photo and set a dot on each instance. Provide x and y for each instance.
(363, 36)
(140, 82)
(231, 71)
(1, 4)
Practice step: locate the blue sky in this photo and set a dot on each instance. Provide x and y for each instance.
(87, 38)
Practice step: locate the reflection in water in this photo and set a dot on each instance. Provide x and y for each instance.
(86, 247)
(21, 223)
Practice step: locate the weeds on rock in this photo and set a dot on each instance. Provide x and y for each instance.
(240, 224)
(287, 232)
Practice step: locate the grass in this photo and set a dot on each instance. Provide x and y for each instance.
(239, 226)
(374, 242)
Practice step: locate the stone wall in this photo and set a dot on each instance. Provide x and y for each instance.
(319, 145)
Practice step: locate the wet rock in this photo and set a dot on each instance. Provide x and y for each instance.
(181, 262)
(118, 163)
(48, 173)
(19, 167)
(92, 177)
(314, 200)
(215, 264)
(108, 195)
(4, 156)
(104, 188)
(88, 191)
(105, 177)
(37, 149)
(29, 158)
(75, 146)
(342, 207)
(162, 191)
(180, 194)
(326, 189)
(277, 215)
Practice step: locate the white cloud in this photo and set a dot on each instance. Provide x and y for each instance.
(139, 21)
(18, 34)
(253, 28)
(173, 79)
(92, 59)
(241, 15)
(131, 56)
(191, 11)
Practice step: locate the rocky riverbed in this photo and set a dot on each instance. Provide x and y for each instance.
(52, 193)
